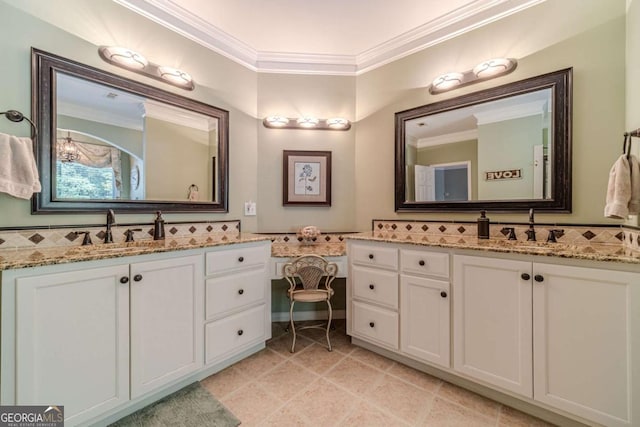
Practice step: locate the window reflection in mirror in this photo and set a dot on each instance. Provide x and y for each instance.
(497, 150)
(123, 146)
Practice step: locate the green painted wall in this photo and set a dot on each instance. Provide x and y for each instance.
(588, 35)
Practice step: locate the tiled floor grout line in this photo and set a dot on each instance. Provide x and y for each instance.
(427, 390)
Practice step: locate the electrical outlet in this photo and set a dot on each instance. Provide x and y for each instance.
(249, 208)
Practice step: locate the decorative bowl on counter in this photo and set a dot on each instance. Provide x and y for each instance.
(308, 235)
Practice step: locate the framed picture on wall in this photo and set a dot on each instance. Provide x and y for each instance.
(306, 178)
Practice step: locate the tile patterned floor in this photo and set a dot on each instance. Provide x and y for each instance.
(349, 386)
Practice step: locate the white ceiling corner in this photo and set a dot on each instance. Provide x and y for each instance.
(450, 23)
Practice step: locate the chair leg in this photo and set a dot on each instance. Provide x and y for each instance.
(286, 329)
(293, 327)
(329, 324)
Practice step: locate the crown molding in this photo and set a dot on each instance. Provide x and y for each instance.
(465, 135)
(99, 115)
(178, 116)
(510, 112)
(462, 20)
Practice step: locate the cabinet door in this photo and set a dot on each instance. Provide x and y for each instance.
(72, 341)
(582, 348)
(492, 321)
(424, 319)
(166, 321)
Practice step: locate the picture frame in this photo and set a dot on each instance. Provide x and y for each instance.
(306, 178)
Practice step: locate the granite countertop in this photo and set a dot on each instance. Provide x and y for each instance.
(290, 250)
(35, 257)
(593, 251)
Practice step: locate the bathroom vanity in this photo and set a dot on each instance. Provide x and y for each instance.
(107, 330)
(555, 327)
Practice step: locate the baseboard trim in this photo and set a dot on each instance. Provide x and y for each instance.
(283, 316)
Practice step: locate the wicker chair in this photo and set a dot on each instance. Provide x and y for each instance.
(310, 278)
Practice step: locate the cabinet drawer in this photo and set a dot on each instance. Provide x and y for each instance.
(375, 324)
(376, 286)
(233, 334)
(424, 262)
(233, 291)
(233, 259)
(375, 256)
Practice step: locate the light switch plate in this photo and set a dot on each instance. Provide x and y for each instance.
(249, 208)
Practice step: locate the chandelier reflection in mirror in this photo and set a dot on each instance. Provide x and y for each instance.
(67, 149)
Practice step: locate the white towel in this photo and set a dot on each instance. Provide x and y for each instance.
(18, 171)
(634, 202)
(618, 190)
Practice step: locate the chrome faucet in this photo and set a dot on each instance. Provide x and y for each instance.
(531, 232)
(111, 219)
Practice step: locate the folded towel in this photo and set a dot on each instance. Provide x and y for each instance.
(18, 171)
(634, 202)
(618, 190)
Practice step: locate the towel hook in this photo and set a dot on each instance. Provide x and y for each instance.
(17, 116)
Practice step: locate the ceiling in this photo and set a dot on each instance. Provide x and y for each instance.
(339, 37)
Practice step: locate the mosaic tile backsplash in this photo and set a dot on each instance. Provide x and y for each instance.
(567, 234)
(55, 237)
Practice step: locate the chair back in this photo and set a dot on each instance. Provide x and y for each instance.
(308, 271)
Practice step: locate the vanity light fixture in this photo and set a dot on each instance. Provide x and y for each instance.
(307, 122)
(337, 123)
(485, 70)
(133, 61)
(276, 121)
(123, 57)
(312, 123)
(447, 81)
(494, 67)
(175, 76)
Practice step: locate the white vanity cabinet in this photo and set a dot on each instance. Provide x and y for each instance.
(92, 338)
(399, 299)
(166, 321)
(107, 337)
(425, 332)
(492, 318)
(238, 300)
(71, 340)
(562, 335)
(372, 294)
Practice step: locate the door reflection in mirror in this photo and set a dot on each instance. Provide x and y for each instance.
(505, 134)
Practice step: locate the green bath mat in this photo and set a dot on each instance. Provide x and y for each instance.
(193, 406)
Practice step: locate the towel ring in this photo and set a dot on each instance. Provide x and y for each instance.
(17, 116)
(626, 145)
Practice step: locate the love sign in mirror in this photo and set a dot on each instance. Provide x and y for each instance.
(505, 148)
(112, 143)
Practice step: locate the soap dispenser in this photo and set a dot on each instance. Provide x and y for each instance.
(483, 226)
(158, 227)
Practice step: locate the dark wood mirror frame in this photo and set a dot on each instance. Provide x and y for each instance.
(44, 67)
(561, 84)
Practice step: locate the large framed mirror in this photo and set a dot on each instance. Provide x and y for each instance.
(506, 148)
(107, 142)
